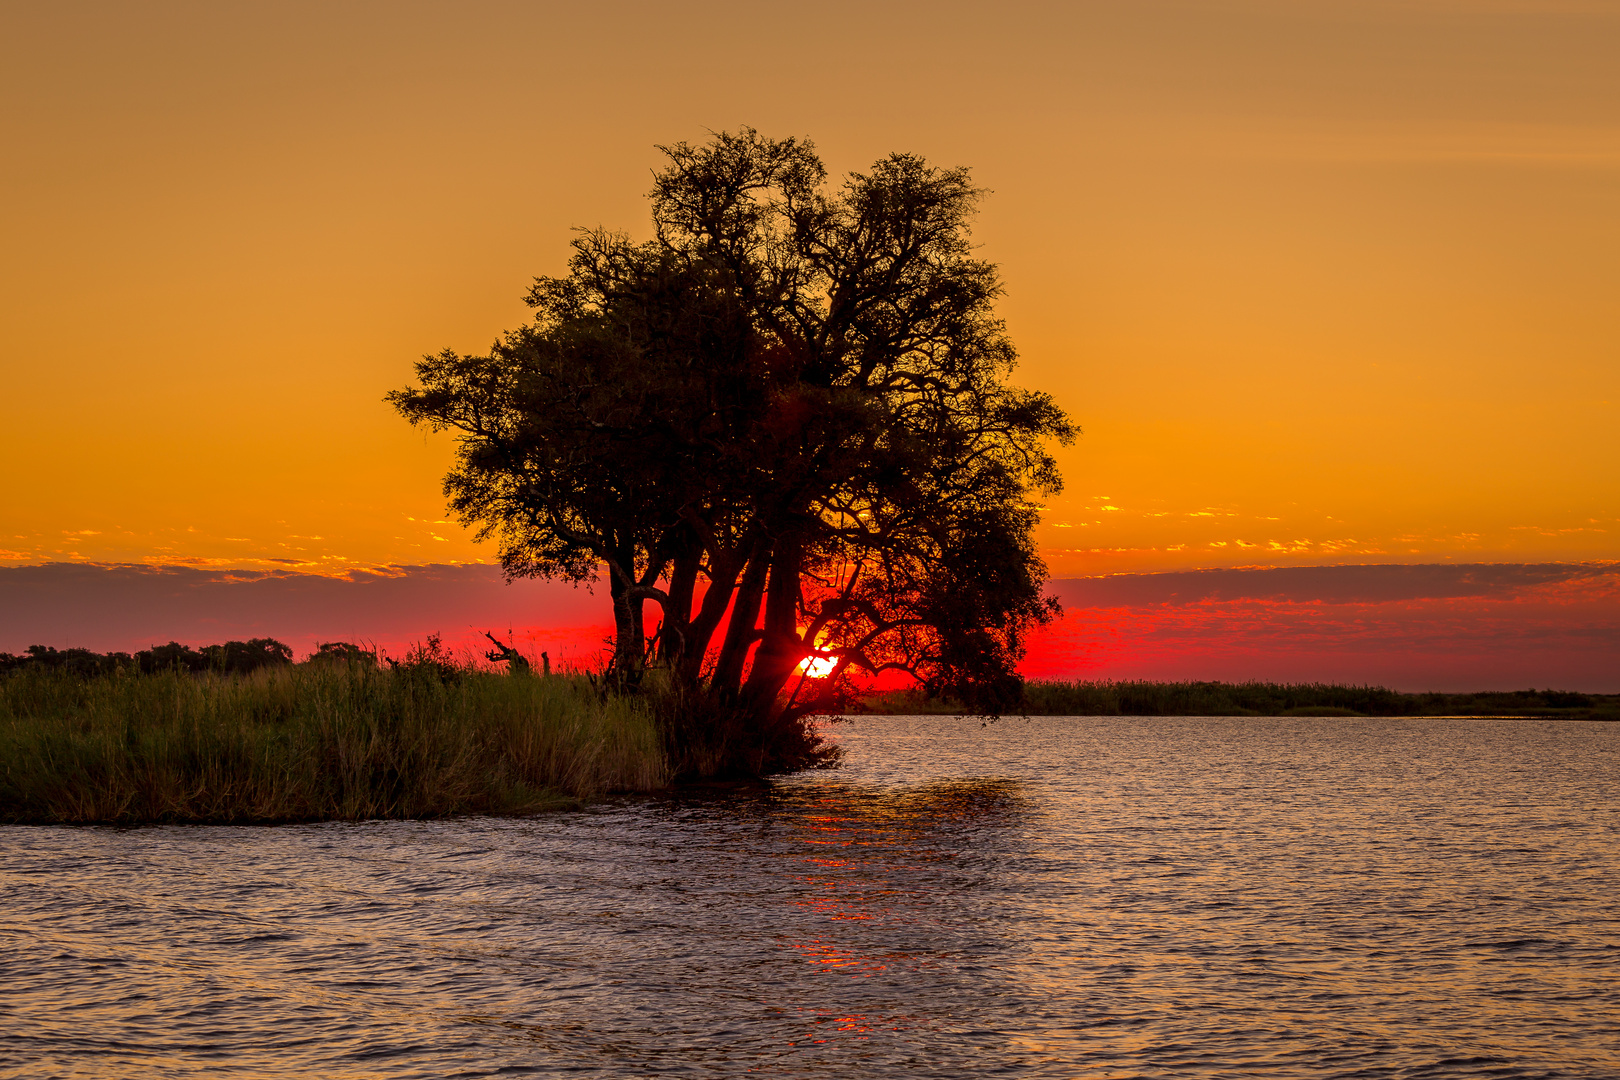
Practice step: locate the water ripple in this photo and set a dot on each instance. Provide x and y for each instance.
(1107, 897)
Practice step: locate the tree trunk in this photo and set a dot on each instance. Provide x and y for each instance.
(638, 628)
(628, 642)
(723, 572)
(676, 636)
(740, 633)
(781, 648)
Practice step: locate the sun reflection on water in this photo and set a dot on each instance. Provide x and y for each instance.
(880, 910)
(1294, 896)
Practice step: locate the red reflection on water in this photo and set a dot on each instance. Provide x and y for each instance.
(834, 909)
(859, 910)
(831, 955)
(844, 897)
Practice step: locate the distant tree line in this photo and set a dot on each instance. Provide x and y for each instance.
(1145, 698)
(229, 658)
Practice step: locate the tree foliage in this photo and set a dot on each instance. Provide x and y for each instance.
(785, 421)
(231, 658)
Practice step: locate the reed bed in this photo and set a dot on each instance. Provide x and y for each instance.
(313, 742)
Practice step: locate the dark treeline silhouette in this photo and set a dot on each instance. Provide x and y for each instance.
(230, 658)
(786, 422)
(342, 652)
(1142, 698)
(243, 657)
(80, 662)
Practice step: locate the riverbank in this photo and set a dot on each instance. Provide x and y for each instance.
(350, 741)
(1136, 698)
(308, 742)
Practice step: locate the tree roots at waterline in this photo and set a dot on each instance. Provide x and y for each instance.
(707, 739)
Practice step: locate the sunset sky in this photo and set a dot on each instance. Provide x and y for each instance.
(1324, 283)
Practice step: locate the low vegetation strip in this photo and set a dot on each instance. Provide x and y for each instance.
(313, 741)
(1271, 699)
(239, 734)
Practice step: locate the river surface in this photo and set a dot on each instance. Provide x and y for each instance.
(1063, 897)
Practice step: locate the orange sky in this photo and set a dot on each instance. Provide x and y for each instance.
(1324, 282)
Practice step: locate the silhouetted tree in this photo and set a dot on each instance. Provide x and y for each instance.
(790, 408)
(342, 653)
(80, 662)
(516, 662)
(241, 657)
(171, 657)
(233, 657)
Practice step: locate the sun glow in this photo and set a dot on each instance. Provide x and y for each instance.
(818, 667)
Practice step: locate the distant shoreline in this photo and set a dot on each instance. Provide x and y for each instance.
(1143, 698)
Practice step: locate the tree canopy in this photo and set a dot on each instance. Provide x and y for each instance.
(785, 421)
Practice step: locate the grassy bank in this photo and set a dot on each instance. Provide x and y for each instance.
(1271, 699)
(311, 742)
(350, 740)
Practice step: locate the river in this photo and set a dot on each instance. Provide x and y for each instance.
(1052, 897)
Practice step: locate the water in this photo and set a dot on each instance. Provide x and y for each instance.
(1097, 897)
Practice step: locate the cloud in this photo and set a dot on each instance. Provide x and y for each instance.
(1427, 627)
(1374, 584)
(125, 607)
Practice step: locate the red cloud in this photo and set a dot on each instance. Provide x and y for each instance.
(1477, 627)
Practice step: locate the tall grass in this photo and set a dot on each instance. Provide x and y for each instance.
(312, 742)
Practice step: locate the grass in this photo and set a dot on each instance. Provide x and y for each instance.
(1271, 699)
(311, 742)
(352, 741)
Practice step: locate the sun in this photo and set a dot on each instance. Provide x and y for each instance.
(818, 667)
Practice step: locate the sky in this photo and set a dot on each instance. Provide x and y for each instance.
(1324, 283)
(1456, 627)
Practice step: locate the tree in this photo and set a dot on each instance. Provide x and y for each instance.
(785, 421)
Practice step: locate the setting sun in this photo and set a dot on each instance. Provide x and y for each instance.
(818, 667)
